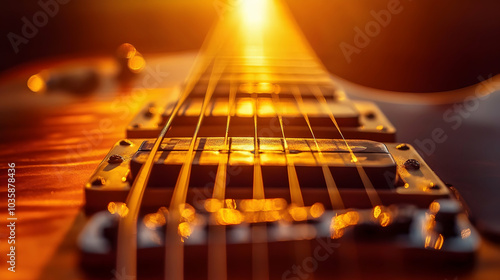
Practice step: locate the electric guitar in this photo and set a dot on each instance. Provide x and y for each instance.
(257, 166)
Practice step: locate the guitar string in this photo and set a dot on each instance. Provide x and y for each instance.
(126, 260)
(293, 180)
(370, 190)
(217, 261)
(260, 259)
(333, 191)
(302, 250)
(372, 194)
(174, 249)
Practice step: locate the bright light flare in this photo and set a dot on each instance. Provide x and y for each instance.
(37, 84)
(254, 12)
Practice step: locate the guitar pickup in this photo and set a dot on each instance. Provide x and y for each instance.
(356, 119)
(383, 163)
(373, 157)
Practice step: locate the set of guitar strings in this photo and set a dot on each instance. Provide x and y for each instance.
(214, 58)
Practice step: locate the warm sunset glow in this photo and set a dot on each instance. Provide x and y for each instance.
(254, 12)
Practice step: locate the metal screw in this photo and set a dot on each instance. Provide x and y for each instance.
(150, 112)
(136, 125)
(370, 115)
(412, 164)
(125, 142)
(99, 181)
(403, 147)
(433, 186)
(115, 159)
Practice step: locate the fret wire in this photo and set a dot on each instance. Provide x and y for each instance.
(333, 191)
(370, 190)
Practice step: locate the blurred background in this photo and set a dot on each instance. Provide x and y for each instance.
(405, 45)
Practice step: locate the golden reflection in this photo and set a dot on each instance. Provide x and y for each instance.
(253, 205)
(230, 203)
(154, 220)
(136, 63)
(226, 216)
(212, 205)
(384, 219)
(317, 210)
(272, 216)
(351, 218)
(298, 213)
(266, 88)
(376, 211)
(37, 84)
(342, 221)
(126, 50)
(184, 230)
(465, 233)
(354, 158)
(118, 208)
(266, 108)
(259, 88)
(434, 207)
(188, 213)
(264, 210)
(434, 241)
(430, 222)
(337, 227)
(439, 242)
(244, 107)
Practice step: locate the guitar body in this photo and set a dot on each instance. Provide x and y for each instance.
(58, 141)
